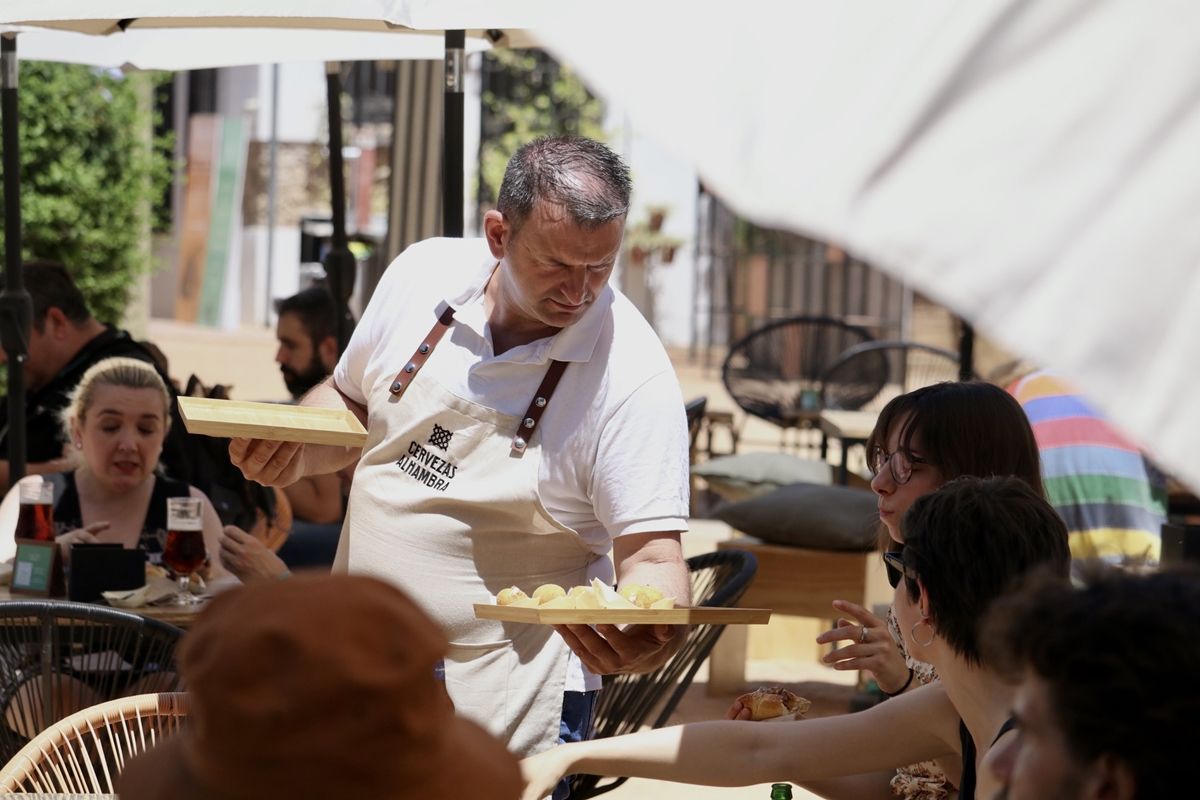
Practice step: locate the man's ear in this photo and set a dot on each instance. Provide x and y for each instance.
(497, 231)
(1109, 778)
(327, 352)
(55, 323)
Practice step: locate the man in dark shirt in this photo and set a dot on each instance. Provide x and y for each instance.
(65, 341)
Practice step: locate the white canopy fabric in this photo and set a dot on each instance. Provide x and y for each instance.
(1035, 166)
(508, 19)
(204, 48)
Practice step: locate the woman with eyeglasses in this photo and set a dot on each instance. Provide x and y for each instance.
(921, 440)
(965, 544)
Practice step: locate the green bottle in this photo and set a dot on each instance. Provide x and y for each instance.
(781, 791)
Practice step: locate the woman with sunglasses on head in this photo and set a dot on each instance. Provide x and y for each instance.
(965, 544)
(921, 440)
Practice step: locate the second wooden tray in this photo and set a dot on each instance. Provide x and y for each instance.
(625, 616)
(273, 421)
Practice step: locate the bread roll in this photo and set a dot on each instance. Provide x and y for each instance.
(774, 701)
(547, 592)
(508, 596)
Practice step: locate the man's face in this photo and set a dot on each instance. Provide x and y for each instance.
(553, 269)
(297, 356)
(1036, 763)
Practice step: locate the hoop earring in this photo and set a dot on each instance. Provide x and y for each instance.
(912, 634)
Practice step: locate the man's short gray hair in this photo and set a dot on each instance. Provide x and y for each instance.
(589, 181)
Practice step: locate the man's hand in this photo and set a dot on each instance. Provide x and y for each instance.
(248, 558)
(608, 650)
(267, 462)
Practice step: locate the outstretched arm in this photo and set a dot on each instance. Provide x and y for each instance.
(918, 726)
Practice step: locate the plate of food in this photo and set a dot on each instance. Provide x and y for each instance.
(774, 703)
(599, 604)
(274, 421)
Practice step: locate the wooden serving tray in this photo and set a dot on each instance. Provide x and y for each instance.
(624, 616)
(274, 421)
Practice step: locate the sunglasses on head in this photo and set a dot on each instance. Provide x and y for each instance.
(893, 562)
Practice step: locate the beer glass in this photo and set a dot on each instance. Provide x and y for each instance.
(36, 517)
(184, 551)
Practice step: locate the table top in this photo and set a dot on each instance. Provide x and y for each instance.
(179, 616)
(855, 425)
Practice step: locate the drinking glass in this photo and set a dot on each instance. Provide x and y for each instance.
(36, 517)
(184, 551)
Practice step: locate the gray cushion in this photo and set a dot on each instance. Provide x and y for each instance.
(751, 474)
(805, 515)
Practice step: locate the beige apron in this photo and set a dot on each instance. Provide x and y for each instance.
(445, 504)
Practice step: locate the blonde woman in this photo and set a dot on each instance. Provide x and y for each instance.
(116, 422)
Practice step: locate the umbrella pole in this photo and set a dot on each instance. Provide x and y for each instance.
(339, 261)
(16, 309)
(966, 352)
(452, 126)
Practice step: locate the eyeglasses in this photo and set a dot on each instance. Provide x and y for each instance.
(900, 463)
(893, 562)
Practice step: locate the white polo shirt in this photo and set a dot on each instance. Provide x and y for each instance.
(614, 438)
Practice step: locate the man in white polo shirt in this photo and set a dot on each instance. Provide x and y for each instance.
(524, 421)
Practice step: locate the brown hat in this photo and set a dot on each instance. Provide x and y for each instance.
(319, 687)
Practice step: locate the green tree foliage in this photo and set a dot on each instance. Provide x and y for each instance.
(527, 94)
(86, 178)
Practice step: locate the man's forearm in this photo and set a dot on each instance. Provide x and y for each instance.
(658, 563)
(323, 459)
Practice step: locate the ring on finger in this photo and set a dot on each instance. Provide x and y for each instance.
(862, 635)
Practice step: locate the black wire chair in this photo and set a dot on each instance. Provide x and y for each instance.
(868, 375)
(718, 580)
(775, 372)
(58, 657)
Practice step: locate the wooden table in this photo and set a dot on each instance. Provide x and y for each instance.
(179, 616)
(849, 428)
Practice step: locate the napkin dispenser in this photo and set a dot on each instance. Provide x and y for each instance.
(96, 568)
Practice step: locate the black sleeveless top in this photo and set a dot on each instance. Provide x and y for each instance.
(966, 786)
(68, 516)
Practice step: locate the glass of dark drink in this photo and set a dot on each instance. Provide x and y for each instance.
(183, 551)
(36, 517)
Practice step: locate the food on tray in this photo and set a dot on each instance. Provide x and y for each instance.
(774, 701)
(547, 592)
(595, 595)
(641, 596)
(509, 596)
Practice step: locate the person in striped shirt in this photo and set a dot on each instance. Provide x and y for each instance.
(1112, 498)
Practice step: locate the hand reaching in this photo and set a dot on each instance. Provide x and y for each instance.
(871, 647)
(85, 535)
(542, 772)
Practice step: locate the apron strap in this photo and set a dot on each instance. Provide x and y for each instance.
(405, 376)
(537, 407)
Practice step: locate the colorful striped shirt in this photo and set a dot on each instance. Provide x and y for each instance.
(1113, 500)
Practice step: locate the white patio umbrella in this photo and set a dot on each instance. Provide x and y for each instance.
(1033, 166)
(178, 49)
(498, 22)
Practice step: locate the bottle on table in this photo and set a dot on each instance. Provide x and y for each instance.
(781, 791)
(35, 519)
